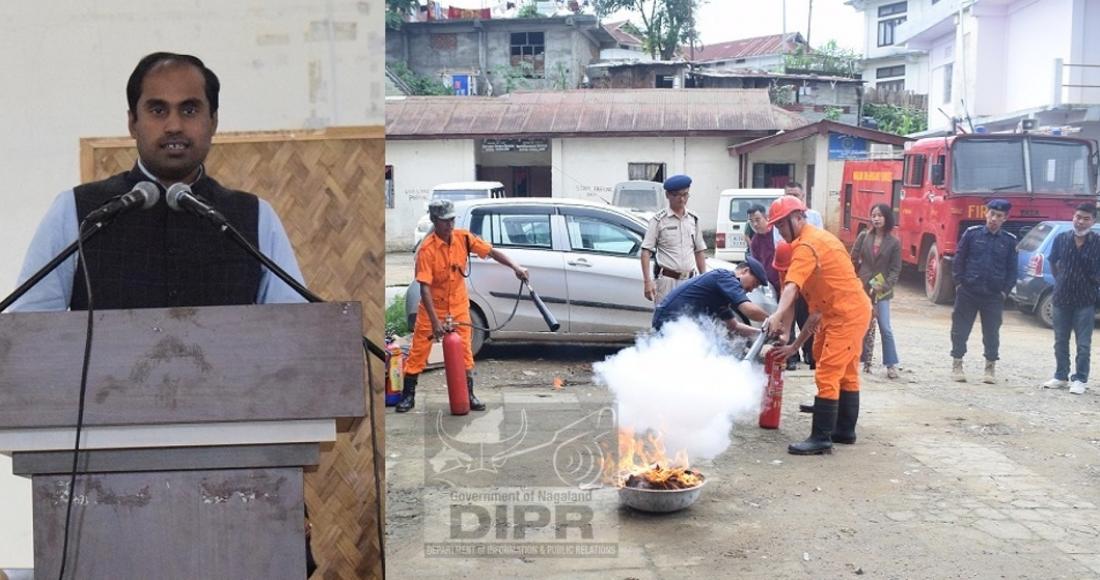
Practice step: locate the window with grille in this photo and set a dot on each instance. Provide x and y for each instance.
(890, 71)
(646, 172)
(528, 52)
(886, 29)
(892, 86)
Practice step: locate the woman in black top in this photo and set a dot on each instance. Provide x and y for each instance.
(877, 257)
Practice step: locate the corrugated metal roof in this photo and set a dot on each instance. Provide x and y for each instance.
(589, 113)
(621, 36)
(747, 47)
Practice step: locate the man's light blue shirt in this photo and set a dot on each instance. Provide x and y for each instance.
(59, 228)
(813, 217)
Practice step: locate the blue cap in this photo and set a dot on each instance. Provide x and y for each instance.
(757, 270)
(677, 182)
(999, 205)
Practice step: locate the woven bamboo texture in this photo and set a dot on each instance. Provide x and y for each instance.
(327, 186)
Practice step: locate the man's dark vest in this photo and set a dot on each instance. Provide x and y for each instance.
(158, 258)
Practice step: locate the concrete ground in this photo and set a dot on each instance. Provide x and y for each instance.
(947, 480)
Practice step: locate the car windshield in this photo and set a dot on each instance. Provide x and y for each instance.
(1035, 237)
(460, 194)
(739, 206)
(638, 199)
(995, 165)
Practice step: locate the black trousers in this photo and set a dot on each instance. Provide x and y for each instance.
(801, 314)
(967, 307)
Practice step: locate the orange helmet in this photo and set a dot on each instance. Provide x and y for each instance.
(782, 260)
(782, 207)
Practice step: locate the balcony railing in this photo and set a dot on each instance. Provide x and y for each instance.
(1076, 83)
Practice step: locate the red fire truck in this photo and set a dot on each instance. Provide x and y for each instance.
(941, 186)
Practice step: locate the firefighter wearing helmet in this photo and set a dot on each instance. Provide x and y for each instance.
(821, 271)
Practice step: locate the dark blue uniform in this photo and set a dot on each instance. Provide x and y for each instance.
(715, 293)
(985, 271)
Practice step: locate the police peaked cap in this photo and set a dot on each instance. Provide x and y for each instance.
(999, 205)
(757, 270)
(677, 182)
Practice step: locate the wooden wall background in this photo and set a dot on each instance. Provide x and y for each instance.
(327, 186)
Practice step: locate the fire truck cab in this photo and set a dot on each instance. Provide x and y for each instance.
(941, 187)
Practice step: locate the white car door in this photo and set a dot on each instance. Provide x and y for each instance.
(604, 274)
(524, 234)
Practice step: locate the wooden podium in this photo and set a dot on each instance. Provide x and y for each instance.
(198, 424)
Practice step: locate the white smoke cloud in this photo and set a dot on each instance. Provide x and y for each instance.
(686, 383)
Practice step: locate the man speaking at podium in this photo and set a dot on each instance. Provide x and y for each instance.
(156, 257)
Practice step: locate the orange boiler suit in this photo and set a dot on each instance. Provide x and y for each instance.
(443, 266)
(822, 269)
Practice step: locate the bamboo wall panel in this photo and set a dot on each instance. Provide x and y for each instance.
(327, 186)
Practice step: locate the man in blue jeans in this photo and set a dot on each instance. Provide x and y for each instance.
(1075, 262)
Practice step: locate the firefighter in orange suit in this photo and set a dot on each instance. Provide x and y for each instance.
(441, 265)
(821, 271)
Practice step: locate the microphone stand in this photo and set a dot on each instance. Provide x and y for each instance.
(85, 235)
(268, 263)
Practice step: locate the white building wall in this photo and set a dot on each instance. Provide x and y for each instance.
(1030, 54)
(590, 168)
(283, 65)
(1084, 49)
(417, 167)
(941, 55)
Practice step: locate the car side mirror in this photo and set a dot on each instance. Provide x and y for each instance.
(937, 174)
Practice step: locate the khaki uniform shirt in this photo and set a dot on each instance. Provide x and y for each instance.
(674, 240)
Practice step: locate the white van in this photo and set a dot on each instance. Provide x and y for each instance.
(457, 192)
(731, 238)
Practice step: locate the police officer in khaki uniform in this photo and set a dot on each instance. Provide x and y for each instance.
(674, 238)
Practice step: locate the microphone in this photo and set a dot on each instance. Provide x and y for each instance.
(145, 194)
(180, 198)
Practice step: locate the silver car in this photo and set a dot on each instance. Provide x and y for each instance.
(584, 262)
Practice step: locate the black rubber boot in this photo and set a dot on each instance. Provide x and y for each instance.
(820, 440)
(847, 413)
(804, 408)
(408, 394)
(475, 403)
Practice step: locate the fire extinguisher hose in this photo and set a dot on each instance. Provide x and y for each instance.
(547, 316)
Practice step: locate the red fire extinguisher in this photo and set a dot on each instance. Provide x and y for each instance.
(772, 403)
(454, 355)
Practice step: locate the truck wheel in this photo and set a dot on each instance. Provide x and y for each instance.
(477, 340)
(1044, 310)
(939, 286)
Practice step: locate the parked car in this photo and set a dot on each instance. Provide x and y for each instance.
(584, 261)
(644, 198)
(1034, 288)
(731, 233)
(457, 192)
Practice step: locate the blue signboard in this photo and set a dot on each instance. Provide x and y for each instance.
(461, 85)
(847, 147)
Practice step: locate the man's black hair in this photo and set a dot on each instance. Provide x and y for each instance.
(887, 216)
(791, 184)
(133, 87)
(756, 207)
(1087, 207)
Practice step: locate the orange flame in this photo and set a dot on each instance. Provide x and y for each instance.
(644, 462)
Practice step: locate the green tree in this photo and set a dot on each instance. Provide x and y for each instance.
(897, 120)
(529, 10)
(829, 58)
(666, 24)
(396, 10)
